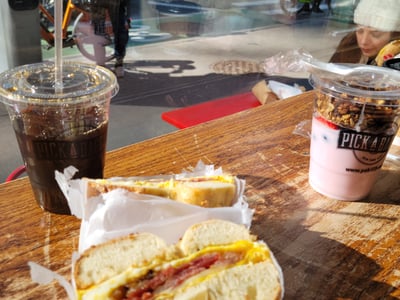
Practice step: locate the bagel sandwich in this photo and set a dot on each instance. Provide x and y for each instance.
(389, 51)
(205, 191)
(214, 259)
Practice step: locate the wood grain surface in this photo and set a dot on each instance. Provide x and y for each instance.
(328, 249)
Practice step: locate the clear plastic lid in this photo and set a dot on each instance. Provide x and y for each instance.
(35, 83)
(367, 101)
(366, 82)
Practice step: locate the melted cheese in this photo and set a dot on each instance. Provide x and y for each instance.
(168, 184)
(255, 252)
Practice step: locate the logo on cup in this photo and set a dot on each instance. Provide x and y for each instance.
(62, 150)
(369, 149)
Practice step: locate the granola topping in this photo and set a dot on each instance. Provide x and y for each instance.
(357, 113)
(360, 104)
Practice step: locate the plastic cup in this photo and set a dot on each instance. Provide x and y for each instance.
(59, 128)
(354, 123)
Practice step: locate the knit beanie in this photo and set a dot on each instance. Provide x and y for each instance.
(381, 15)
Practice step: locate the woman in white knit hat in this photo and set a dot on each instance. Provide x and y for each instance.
(377, 36)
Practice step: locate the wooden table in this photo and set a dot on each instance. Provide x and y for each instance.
(328, 249)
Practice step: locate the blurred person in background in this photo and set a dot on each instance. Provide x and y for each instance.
(308, 8)
(377, 35)
(315, 6)
(317, 3)
(118, 11)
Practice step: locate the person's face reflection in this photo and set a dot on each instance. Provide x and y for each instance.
(371, 40)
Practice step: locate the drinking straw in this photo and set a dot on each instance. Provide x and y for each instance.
(58, 37)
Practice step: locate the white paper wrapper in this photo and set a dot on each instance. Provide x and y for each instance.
(119, 212)
(283, 90)
(42, 275)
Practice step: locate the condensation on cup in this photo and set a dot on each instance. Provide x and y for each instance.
(353, 126)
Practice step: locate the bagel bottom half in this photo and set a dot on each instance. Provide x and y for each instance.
(214, 260)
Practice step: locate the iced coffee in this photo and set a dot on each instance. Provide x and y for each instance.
(59, 127)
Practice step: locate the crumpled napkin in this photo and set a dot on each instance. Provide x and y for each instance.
(283, 90)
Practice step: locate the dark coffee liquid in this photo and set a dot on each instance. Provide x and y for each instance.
(44, 155)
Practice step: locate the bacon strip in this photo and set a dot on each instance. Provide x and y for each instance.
(173, 277)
